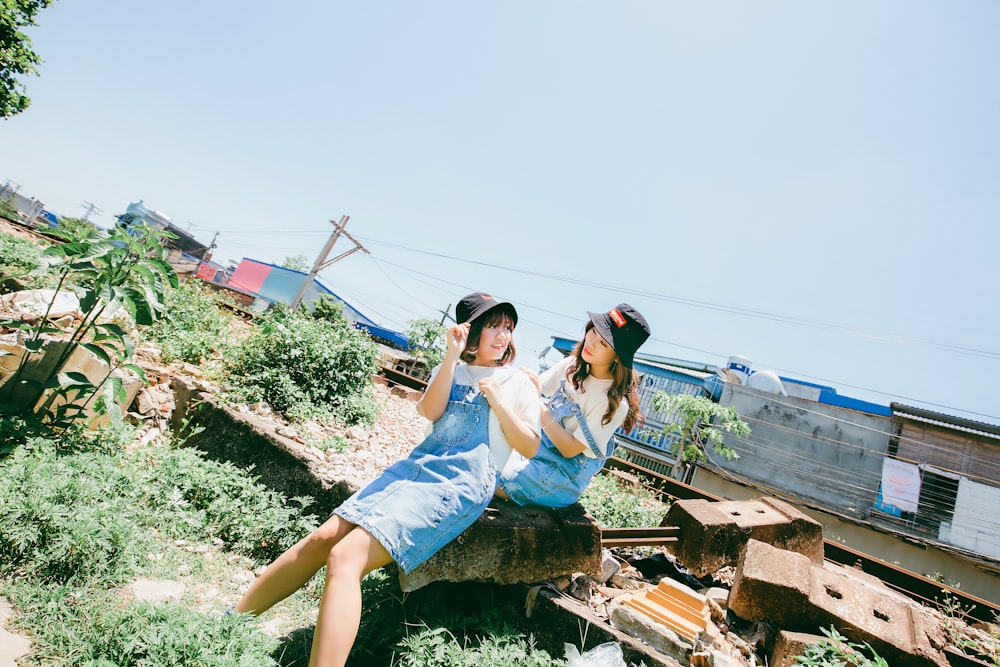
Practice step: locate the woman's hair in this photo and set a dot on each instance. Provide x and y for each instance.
(624, 384)
(498, 316)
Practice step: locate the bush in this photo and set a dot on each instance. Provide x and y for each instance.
(305, 367)
(17, 258)
(614, 504)
(193, 326)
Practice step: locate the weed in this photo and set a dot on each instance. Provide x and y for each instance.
(93, 627)
(17, 257)
(437, 646)
(836, 651)
(108, 270)
(305, 368)
(615, 505)
(193, 326)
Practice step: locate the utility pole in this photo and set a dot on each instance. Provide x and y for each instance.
(445, 315)
(90, 209)
(211, 246)
(321, 262)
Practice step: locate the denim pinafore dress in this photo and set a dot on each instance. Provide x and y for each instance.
(421, 503)
(549, 478)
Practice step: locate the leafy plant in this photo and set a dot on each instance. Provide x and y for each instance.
(328, 308)
(16, 57)
(193, 326)
(107, 271)
(75, 227)
(438, 646)
(296, 263)
(614, 506)
(427, 341)
(837, 651)
(305, 367)
(7, 208)
(17, 257)
(701, 423)
(73, 626)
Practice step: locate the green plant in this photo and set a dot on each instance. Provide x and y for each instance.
(837, 651)
(16, 57)
(438, 646)
(305, 367)
(107, 271)
(427, 340)
(193, 326)
(17, 255)
(701, 423)
(73, 626)
(7, 208)
(296, 263)
(614, 506)
(328, 308)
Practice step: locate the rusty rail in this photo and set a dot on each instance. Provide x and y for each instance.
(639, 537)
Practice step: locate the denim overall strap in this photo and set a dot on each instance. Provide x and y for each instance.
(560, 404)
(578, 413)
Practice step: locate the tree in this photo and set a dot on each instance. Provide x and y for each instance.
(427, 340)
(297, 263)
(16, 57)
(700, 422)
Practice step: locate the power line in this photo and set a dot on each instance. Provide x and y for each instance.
(787, 319)
(576, 319)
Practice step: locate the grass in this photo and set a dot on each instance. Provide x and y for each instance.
(84, 519)
(79, 528)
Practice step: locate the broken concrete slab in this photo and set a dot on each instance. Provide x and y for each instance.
(783, 588)
(713, 533)
(790, 645)
(510, 544)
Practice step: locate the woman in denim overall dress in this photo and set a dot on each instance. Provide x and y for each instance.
(588, 395)
(481, 410)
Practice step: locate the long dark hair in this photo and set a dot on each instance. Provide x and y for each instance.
(624, 385)
(499, 316)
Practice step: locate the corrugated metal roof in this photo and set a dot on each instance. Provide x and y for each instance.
(945, 421)
(676, 369)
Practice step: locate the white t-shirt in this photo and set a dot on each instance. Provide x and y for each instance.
(593, 402)
(517, 391)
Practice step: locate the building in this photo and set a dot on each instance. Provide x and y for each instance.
(187, 245)
(912, 486)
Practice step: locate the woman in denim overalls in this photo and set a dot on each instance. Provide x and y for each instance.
(481, 410)
(589, 395)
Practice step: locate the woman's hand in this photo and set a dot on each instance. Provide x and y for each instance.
(457, 336)
(490, 388)
(534, 379)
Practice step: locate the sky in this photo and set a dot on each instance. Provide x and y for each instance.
(813, 186)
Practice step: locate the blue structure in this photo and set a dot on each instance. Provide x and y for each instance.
(278, 283)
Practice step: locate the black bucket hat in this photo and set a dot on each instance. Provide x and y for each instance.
(476, 304)
(624, 328)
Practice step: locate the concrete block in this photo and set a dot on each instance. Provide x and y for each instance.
(713, 534)
(510, 544)
(771, 585)
(789, 645)
(785, 589)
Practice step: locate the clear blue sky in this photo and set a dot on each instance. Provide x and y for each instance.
(813, 186)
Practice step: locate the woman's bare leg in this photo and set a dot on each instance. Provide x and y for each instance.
(294, 568)
(354, 556)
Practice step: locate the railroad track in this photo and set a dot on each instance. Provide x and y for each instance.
(916, 586)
